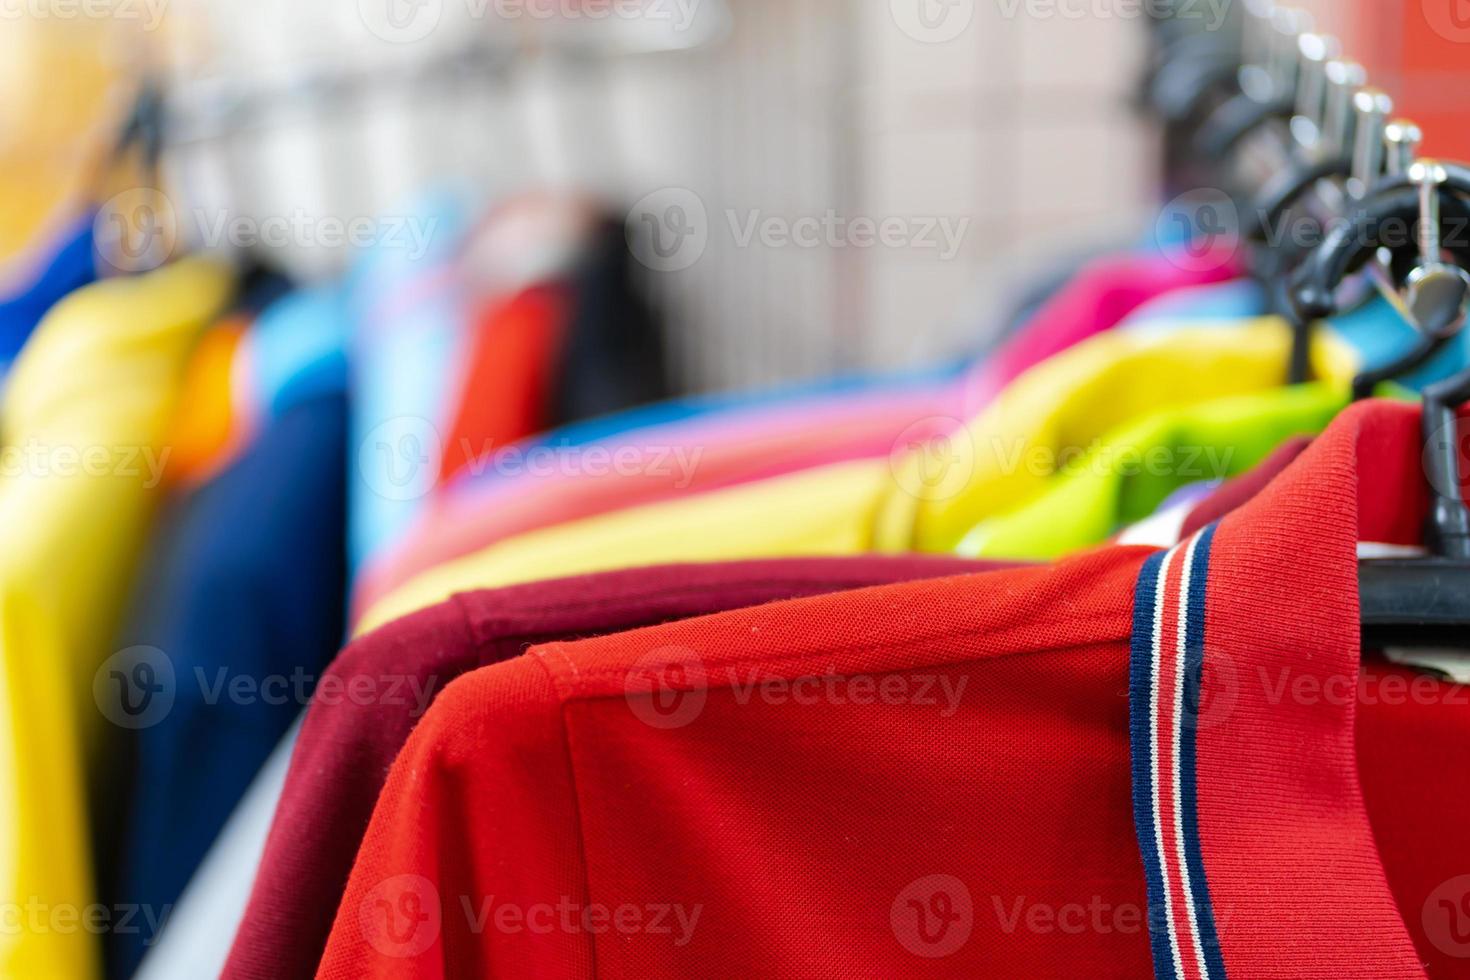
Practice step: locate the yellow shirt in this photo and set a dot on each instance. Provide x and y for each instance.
(84, 420)
(926, 500)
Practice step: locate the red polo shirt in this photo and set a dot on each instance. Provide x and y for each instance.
(379, 687)
(1129, 762)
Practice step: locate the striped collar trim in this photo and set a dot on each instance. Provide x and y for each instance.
(1166, 664)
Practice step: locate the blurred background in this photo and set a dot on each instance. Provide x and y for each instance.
(454, 226)
(993, 135)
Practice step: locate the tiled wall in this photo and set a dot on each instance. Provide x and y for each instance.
(1014, 129)
(1021, 123)
(1012, 114)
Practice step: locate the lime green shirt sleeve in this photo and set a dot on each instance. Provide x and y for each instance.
(84, 419)
(1135, 469)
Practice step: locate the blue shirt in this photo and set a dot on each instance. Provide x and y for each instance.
(408, 327)
(244, 593)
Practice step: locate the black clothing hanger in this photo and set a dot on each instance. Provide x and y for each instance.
(1425, 602)
(1238, 118)
(143, 128)
(1413, 602)
(1386, 219)
(1285, 190)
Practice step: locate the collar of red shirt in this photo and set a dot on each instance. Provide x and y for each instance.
(1251, 824)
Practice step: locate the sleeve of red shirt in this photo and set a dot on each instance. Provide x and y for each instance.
(444, 791)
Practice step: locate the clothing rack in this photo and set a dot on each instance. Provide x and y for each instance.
(213, 131)
(211, 107)
(1278, 116)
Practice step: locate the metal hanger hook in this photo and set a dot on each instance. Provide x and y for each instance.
(1437, 292)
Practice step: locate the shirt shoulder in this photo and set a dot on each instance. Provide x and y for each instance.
(927, 623)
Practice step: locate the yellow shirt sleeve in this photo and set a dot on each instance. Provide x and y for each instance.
(84, 419)
(1000, 460)
(825, 511)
